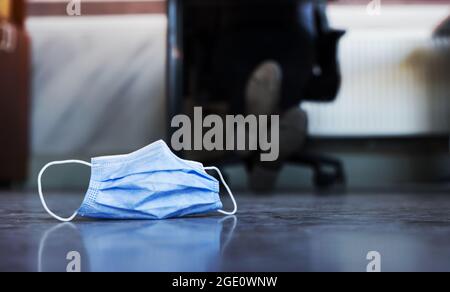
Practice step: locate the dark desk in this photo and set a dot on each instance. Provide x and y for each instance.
(14, 97)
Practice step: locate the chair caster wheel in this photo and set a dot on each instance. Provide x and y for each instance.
(325, 181)
(5, 185)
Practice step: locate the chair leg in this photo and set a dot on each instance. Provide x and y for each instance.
(323, 178)
(5, 184)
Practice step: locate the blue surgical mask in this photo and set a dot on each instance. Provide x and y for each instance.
(151, 183)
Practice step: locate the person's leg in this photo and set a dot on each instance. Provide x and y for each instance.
(262, 95)
(293, 120)
(233, 63)
(255, 85)
(297, 63)
(293, 130)
(251, 86)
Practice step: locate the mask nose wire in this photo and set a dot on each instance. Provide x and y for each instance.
(41, 195)
(228, 190)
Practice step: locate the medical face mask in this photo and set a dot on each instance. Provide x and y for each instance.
(151, 183)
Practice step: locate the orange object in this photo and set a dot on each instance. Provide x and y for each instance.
(5, 9)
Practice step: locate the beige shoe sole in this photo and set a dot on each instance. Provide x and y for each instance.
(263, 89)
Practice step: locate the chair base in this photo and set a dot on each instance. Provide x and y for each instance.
(328, 171)
(4, 185)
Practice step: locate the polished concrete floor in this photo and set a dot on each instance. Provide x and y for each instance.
(279, 233)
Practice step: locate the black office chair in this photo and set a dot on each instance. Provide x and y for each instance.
(194, 30)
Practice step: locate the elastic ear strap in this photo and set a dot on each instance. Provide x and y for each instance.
(41, 195)
(228, 190)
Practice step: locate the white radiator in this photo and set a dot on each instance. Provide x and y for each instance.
(396, 82)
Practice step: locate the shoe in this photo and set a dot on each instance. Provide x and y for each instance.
(293, 132)
(262, 96)
(263, 89)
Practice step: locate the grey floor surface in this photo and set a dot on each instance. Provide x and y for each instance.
(295, 232)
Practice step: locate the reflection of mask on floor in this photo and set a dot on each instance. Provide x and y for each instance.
(183, 245)
(55, 246)
(151, 183)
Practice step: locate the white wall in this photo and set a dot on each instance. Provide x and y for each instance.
(396, 77)
(98, 84)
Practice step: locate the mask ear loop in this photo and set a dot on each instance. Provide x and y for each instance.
(228, 190)
(41, 195)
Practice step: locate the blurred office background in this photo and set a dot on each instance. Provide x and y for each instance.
(98, 87)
